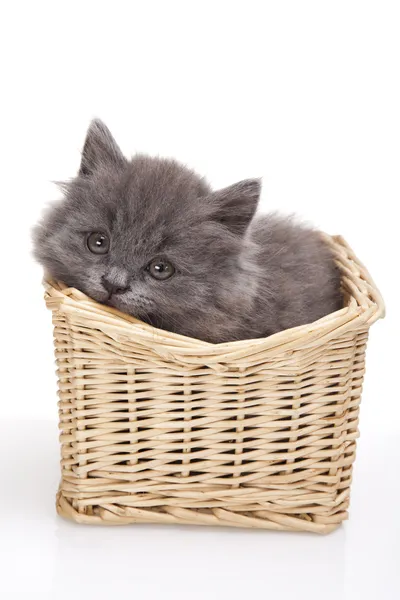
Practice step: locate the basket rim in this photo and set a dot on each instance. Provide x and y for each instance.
(365, 306)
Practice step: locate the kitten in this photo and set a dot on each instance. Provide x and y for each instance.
(150, 237)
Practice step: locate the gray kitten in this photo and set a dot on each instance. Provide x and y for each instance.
(150, 237)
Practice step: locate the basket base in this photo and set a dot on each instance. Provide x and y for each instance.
(118, 515)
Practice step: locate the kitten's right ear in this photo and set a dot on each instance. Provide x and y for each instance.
(100, 149)
(235, 205)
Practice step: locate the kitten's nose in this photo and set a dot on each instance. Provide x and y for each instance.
(113, 287)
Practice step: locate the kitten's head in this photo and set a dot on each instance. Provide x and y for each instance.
(148, 236)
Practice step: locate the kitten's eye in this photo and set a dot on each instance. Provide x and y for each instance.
(98, 243)
(161, 269)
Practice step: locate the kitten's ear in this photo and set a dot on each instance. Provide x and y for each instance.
(234, 206)
(99, 149)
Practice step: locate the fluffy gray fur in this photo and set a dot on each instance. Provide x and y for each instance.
(237, 276)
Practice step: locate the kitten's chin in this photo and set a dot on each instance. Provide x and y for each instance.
(111, 302)
(102, 298)
(122, 304)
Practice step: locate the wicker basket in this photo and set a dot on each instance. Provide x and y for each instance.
(161, 428)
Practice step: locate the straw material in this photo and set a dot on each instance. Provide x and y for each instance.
(161, 428)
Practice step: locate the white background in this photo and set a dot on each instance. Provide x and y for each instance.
(306, 95)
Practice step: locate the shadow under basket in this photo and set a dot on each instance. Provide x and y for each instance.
(162, 428)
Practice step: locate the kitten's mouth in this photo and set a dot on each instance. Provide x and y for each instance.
(116, 300)
(138, 307)
(110, 300)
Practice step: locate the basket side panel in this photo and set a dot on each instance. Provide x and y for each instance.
(145, 439)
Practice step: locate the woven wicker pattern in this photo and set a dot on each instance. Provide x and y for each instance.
(157, 427)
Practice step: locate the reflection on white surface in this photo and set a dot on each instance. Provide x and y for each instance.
(46, 557)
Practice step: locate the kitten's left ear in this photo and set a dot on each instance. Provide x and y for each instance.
(100, 149)
(234, 206)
